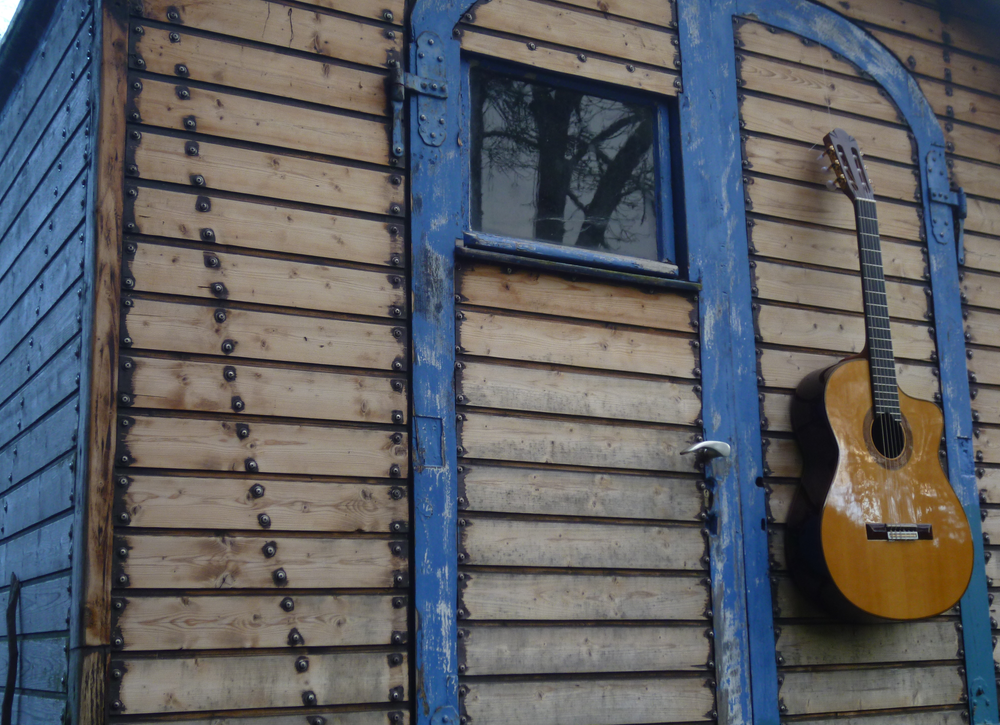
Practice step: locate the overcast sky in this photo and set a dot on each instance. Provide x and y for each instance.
(7, 8)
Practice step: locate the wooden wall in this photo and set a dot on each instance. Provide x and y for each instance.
(583, 577)
(260, 552)
(45, 181)
(583, 568)
(808, 314)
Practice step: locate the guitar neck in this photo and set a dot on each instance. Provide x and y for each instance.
(885, 392)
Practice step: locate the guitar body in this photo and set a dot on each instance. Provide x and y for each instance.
(836, 547)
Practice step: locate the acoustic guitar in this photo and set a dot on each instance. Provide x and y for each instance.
(876, 529)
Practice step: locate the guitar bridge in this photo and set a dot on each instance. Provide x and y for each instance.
(899, 532)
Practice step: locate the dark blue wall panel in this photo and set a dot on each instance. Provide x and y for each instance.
(45, 175)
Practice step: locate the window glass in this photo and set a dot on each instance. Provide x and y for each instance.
(558, 165)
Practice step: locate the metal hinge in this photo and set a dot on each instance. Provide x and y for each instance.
(941, 192)
(430, 83)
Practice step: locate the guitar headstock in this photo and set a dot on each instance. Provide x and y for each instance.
(845, 160)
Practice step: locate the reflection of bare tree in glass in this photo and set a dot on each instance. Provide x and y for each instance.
(588, 156)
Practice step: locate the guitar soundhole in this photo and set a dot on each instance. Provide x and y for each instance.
(888, 436)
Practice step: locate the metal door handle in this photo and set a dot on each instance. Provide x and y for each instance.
(710, 449)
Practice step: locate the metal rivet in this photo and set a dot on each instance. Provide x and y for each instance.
(387, 16)
(208, 235)
(116, 674)
(302, 663)
(395, 659)
(396, 493)
(198, 180)
(397, 365)
(280, 577)
(116, 705)
(183, 93)
(124, 518)
(135, 135)
(630, 68)
(242, 431)
(397, 386)
(394, 470)
(117, 642)
(136, 86)
(288, 604)
(251, 466)
(123, 580)
(269, 549)
(397, 418)
(125, 399)
(173, 16)
(257, 490)
(174, 37)
(181, 70)
(309, 698)
(220, 316)
(123, 481)
(395, 260)
(191, 148)
(217, 288)
(229, 373)
(395, 311)
(395, 209)
(239, 406)
(228, 346)
(127, 364)
(396, 438)
(264, 520)
(122, 552)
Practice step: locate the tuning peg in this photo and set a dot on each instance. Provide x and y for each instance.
(831, 184)
(821, 156)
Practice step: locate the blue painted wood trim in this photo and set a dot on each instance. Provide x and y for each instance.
(437, 212)
(718, 258)
(842, 36)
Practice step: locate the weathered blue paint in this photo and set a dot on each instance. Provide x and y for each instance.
(574, 255)
(718, 258)
(437, 209)
(842, 36)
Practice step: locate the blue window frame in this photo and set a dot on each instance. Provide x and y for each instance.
(662, 256)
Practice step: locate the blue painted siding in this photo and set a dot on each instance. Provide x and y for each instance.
(45, 174)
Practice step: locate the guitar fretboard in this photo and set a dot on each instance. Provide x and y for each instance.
(883, 367)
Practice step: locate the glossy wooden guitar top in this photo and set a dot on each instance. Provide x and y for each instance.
(886, 578)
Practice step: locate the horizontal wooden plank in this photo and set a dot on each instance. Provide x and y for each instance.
(215, 503)
(39, 552)
(597, 702)
(779, 500)
(790, 161)
(785, 369)
(260, 121)
(776, 408)
(659, 12)
(261, 173)
(922, 21)
(972, 142)
(929, 59)
(815, 205)
(840, 644)
(171, 327)
(835, 290)
(987, 441)
(39, 498)
(214, 445)
(991, 524)
(575, 493)
(805, 85)
(338, 717)
(961, 104)
(587, 31)
(255, 69)
(504, 542)
(44, 607)
(238, 622)
(776, 117)
(871, 689)
(567, 62)
(259, 280)
(832, 248)
(838, 332)
(583, 394)
(777, 43)
(549, 650)
(984, 216)
(985, 366)
(982, 290)
(981, 252)
(783, 457)
(976, 178)
(565, 343)
(571, 597)
(185, 385)
(43, 664)
(273, 228)
(577, 443)
(987, 405)
(527, 290)
(57, 380)
(981, 325)
(227, 562)
(285, 27)
(178, 685)
(49, 440)
(956, 716)
(989, 486)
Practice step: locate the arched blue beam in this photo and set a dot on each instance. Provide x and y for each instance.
(437, 209)
(842, 36)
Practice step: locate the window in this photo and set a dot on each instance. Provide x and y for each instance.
(568, 171)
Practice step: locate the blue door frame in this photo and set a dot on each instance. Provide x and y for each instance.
(718, 258)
